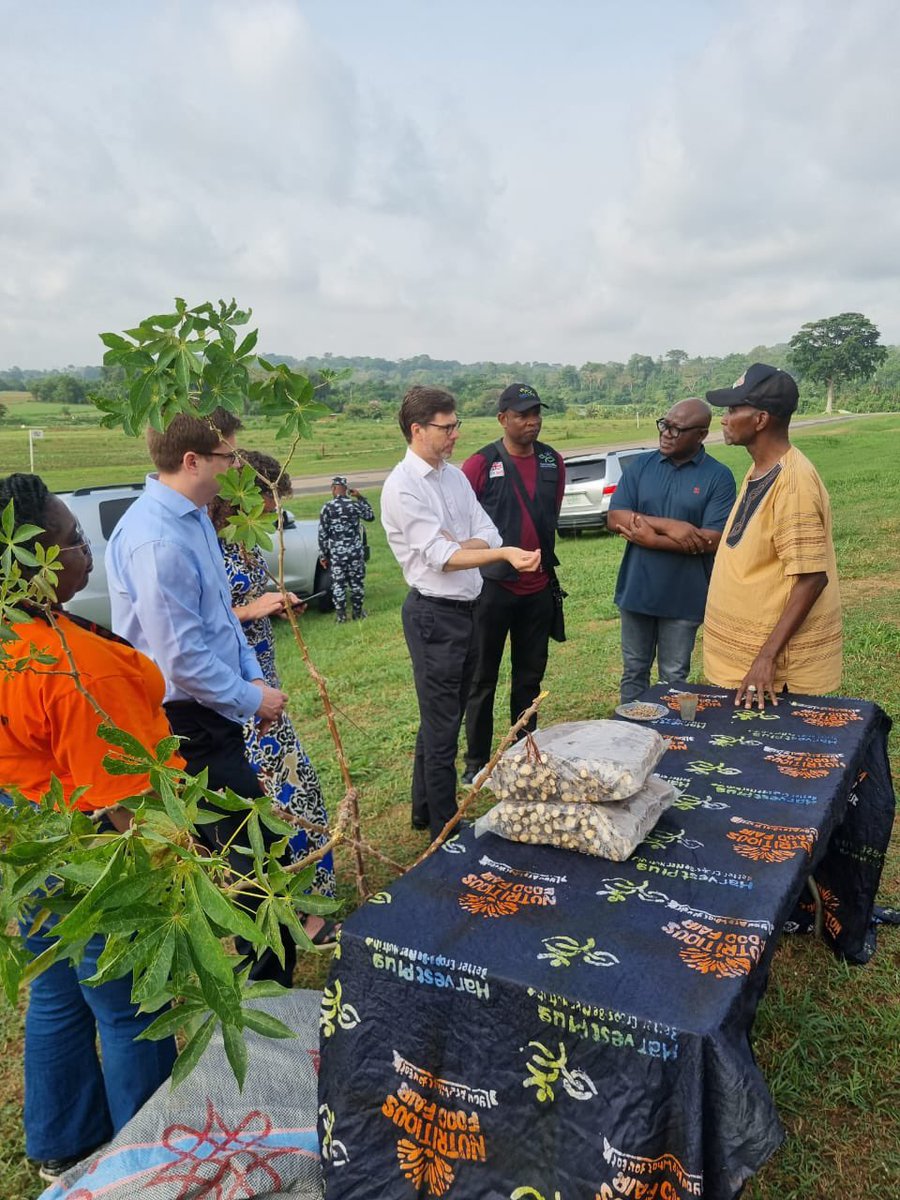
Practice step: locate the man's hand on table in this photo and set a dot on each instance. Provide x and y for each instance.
(758, 683)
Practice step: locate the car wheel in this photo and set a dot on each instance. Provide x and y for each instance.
(564, 532)
(323, 584)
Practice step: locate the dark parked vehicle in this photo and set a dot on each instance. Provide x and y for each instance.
(591, 480)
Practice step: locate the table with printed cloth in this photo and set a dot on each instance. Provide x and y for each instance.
(514, 1022)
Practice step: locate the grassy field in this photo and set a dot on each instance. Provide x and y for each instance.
(827, 1035)
(76, 452)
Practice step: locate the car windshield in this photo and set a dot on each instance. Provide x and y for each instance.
(586, 472)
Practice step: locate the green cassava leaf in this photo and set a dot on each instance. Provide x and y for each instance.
(223, 911)
(166, 748)
(267, 1025)
(312, 902)
(207, 950)
(155, 976)
(254, 832)
(175, 810)
(83, 916)
(190, 1055)
(26, 852)
(236, 1051)
(264, 989)
(169, 1022)
(113, 765)
(122, 954)
(13, 959)
(125, 741)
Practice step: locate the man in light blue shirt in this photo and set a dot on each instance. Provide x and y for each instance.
(169, 593)
(170, 598)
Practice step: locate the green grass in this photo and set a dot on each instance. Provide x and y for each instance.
(76, 452)
(827, 1036)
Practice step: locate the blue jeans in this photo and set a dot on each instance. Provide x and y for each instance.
(645, 638)
(72, 1104)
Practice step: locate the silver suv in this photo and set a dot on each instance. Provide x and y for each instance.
(591, 480)
(99, 509)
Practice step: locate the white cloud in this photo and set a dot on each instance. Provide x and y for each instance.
(419, 194)
(766, 191)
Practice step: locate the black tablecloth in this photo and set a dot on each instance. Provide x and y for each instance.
(526, 1023)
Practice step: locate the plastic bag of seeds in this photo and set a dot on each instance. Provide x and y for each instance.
(578, 762)
(610, 830)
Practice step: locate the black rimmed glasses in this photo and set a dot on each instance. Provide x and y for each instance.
(675, 431)
(451, 428)
(232, 455)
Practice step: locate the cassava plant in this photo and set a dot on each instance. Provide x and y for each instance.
(164, 903)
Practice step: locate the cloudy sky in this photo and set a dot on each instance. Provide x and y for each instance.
(557, 180)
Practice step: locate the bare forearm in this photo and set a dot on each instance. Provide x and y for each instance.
(643, 531)
(468, 557)
(520, 560)
(806, 592)
(618, 520)
(759, 682)
(682, 536)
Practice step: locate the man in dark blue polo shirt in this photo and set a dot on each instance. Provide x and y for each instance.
(671, 506)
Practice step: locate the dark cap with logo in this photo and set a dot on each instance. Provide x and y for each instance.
(763, 387)
(339, 481)
(519, 397)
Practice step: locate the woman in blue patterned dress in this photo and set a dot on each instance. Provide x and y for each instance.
(278, 757)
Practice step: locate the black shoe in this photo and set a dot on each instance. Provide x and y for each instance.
(470, 774)
(359, 614)
(50, 1169)
(418, 823)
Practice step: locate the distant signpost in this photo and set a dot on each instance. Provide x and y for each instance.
(32, 435)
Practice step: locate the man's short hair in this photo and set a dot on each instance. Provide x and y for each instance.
(420, 405)
(202, 435)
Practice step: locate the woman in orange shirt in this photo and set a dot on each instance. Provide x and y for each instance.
(48, 727)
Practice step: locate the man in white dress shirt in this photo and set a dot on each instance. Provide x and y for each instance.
(440, 536)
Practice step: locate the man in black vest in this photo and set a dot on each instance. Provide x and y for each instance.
(519, 482)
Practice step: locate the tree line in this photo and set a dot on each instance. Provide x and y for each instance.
(837, 360)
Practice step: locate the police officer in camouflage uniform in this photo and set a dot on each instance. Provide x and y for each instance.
(341, 546)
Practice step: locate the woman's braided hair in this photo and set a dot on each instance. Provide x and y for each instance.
(29, 495)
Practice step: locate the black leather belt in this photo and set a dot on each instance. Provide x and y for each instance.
(446, 601)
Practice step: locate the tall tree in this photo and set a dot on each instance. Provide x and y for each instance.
(675, 358)
(836, 349)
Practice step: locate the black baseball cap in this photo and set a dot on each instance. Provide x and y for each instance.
(519, 397)
(763, 387)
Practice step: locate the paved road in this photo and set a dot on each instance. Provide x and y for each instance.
(310, 485)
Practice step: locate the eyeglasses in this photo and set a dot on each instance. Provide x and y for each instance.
(233, 457)
(82, 542)
(676, 431)
(452, 428)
